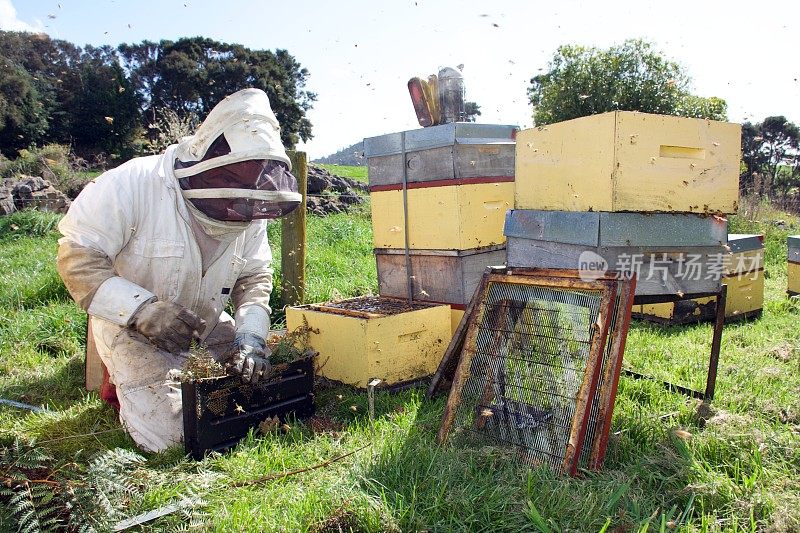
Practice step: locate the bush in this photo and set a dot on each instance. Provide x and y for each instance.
(53, 162)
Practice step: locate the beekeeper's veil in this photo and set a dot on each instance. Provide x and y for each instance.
(234, 169)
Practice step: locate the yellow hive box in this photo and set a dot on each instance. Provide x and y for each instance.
(793, 267)
(456, 217)
(744, 276)
(372, 337)
(745, 298)
(793, 275)
(629, 161)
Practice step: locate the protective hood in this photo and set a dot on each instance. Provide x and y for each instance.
(235, 169)
(249, 126)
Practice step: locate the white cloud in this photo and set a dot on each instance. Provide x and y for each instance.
(10, 22)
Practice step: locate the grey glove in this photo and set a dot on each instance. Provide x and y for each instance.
(252, 358)
(168, 325)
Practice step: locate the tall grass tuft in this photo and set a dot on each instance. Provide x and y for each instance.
(28, 223)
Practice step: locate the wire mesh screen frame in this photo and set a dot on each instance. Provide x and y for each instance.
(594, 447)
(482, 364)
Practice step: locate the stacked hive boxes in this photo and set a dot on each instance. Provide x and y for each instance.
(744, 276)
(793, 266)
(627, 191)
(459, 183)
(458, 186)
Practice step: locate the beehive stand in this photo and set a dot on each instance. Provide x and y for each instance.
(716, 343)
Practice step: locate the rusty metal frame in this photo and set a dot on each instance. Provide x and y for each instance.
(611, 371)
(445, 373)
(716, 344)
(462, 350)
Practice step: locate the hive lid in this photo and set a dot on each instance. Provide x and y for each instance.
(439, 136)
(745, 242)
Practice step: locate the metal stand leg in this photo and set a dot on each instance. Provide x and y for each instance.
(716, 344)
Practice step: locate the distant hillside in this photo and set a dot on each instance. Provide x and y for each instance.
(350, 156)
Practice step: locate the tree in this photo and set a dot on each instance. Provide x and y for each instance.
(472, 111)
(51, 65)
(63, 94)
(192, 75)
(22, 115)
(98, 98)
(105, 109)
(631, 77)
(771, 158)
(781, 140)
(753, 158)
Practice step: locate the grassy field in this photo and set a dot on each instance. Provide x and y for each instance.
(672, 464)
(358, 173)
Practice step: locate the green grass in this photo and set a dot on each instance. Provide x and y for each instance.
(669, 466)
(88, 175)
(339, 260)
(356, 172)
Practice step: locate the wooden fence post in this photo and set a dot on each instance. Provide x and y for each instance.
(293, 238)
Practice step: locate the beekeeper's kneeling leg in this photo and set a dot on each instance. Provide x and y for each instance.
(149, 393)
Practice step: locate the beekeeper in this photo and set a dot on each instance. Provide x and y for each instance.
(154, 249)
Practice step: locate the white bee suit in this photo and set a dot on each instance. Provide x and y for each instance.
(128, 238)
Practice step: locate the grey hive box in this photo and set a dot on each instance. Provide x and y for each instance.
(442, 276)
(445, 153)
(661, 244)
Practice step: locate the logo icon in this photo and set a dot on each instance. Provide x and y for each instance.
(591, 266)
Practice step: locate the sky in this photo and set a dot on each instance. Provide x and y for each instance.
(361, 53)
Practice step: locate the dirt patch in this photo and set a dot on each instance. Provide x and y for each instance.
(773, 372)
(783, 352)
(342, 520)
(723, 419)
(324, 425)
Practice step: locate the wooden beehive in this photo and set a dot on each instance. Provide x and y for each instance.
(437, 276)
(744, 276)
(793, 267)
(456, 217)
(658, 245)
(373, 337)
(459, 180)
(629, 161)
(457, 151)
